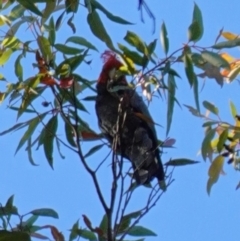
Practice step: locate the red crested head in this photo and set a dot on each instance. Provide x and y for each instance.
(110, 62)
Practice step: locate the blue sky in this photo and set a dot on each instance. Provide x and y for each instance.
(185, 212)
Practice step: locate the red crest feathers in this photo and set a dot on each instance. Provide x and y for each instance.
(110, 62)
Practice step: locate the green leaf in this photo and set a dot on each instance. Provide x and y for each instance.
(45, 48)
(46, 212)
(215, 59)
(28, 4)
(31, 128)
(18, 68)
(212, 108)
(214, 172)
(133, 55)
(81, 41)
(103, 226)
(71, 24)
(14, 235)
(140, 231)
(52, 32)
(87, 234)
(93, 150)
(227, 44)
(11, 42)
(195, 92)
(71, 6)
(74, 234)
(4, 57)
(134, 40)
(197, 17)
(98, 28)
(50, 134)
(206, 144)
(29, 96)
(233, 110)
(59, 21)
(151, 47)
(68, 50)
(210, 123)
(109, 15)
(164, 38)
(29, 151)
(49, 8)
(126, 221)
(222, 139)
(180, 162)
(171, 100)
(73, 62)
(194, 32)
(69, 134)
(16, 12)
(189, 69)
(30, 221)
(9, 203)
(15, 127)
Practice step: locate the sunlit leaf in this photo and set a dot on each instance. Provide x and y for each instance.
(133, 55)
(230, 36)
(73, 62)
(232, 74)
(214, 172)
(134, 40)
(233, 109)
(4, 57)
(29, 96)
(222, 139)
